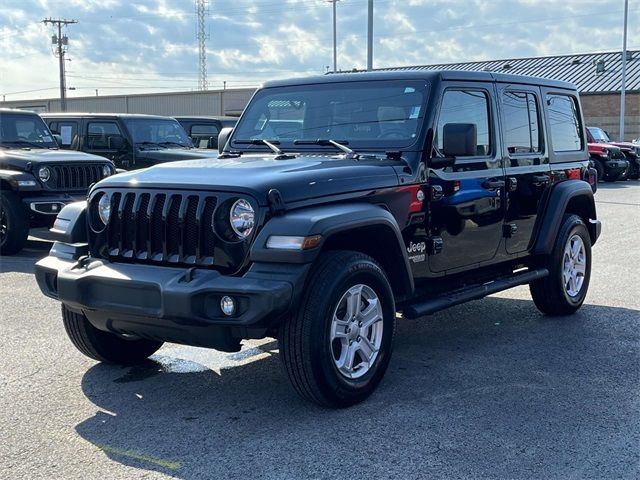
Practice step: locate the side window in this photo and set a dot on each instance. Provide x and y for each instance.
(68, 132)
(466, 106)
(521, 122)
(204, 130)
(204, 136)
(566, 132)
(98, 134)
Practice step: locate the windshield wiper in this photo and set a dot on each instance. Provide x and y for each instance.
(149, 143)
(24, 142)
(280, 155)
(326, 142)
(174, 143)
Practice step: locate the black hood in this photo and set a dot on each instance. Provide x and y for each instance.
(297, 179)
(174, 154)
(19, 158)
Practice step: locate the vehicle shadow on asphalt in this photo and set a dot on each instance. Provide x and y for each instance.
(487, 389)
(24, 261)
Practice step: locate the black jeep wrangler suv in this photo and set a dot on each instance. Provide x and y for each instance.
(337, 202)
(36, 179)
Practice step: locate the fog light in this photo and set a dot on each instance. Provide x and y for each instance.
(228, 305)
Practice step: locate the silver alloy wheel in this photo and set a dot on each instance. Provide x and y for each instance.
(574, 265)
(356, 331)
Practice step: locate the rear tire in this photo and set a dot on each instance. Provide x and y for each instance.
(104, 346)
(336, 348)
(14, 224)
(563, 291)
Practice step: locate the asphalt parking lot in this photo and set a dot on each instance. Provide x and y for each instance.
(490, 389)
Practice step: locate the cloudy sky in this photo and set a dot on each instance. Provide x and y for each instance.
(135, 46)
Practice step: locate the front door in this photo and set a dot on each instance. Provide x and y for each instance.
(467, 221)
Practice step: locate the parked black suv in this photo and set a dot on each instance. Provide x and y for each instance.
(36, 179)
(130, 141)
(383, 192)
(204, 131)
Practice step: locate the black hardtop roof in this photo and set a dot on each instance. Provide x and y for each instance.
(205, 117)
(104, 115)
(429, 75)
(17, 111)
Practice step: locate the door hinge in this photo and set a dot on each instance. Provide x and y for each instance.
(434, 245)
(509, 230)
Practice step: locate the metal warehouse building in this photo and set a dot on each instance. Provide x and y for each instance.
(598, 77)
(209, 102)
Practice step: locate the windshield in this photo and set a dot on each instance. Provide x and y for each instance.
(24, 131)
(599, 135)
(373, 114)
(152, 131)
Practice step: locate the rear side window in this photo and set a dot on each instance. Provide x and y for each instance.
(203, 130)
(564, 123)
(466, 106)
(98, 134)
(521, 123)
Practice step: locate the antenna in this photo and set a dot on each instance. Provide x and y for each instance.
(202, 10)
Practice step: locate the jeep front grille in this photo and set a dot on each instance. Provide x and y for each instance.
(162, 227)
(75, 177)
(616, 155)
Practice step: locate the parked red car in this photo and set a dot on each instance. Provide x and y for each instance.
(631, 151)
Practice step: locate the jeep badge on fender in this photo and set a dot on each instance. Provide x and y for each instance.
(314, 227)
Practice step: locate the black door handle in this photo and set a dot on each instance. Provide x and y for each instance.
(493, 184)
(540, 180)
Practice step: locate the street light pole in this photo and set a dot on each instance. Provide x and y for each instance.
(370, 37)
(335, 37)
(624, 71)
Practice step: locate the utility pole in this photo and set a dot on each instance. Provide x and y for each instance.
(202, 10)
(370, 37)
(335, 37)
(61, 42)
(623, 85)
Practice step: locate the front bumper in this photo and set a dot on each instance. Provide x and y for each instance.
(616, 166)
(179, 305)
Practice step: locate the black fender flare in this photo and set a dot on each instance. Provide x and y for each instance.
(330, 221)
(570, 196)
(71, 224)
(9, 180)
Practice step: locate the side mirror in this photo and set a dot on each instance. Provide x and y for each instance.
(223, 137)
(459, 139)
(115, 143)
(58, 139)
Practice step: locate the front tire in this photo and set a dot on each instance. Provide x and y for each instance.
(104, 346)
(563, 291)
(336, 348)
(14, 224)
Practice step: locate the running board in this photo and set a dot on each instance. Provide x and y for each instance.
(474, 292)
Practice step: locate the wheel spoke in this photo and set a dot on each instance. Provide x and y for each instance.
(366, 349)
(371, 314)
(575, 248)
(338, 328)
(354, 299)
(350, 357)
(580, 268)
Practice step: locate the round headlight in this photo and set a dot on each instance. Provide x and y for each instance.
(44, 174)
(106, 171)
(104, 208)
(242, 218)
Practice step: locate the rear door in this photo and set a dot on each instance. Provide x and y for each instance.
(468, 219)
(527, 161)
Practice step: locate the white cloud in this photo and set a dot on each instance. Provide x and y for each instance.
(121, 46)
